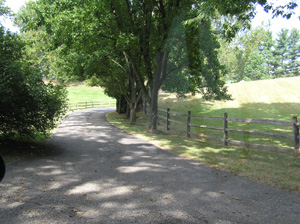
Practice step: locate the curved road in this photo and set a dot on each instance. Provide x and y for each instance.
(92, 172)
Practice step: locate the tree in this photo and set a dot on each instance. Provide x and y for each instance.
(28, 106)
(266, 50)
(139, 38)
(4, 11)
(281, 54)
(244, 56)
(96, 50)
(256, 67)
(293, 53)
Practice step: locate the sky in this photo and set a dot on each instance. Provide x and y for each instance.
(276, 24)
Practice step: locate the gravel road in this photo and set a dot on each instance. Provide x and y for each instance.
(92, 172)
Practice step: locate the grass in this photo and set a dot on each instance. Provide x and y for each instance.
(277, 169)
(276, 99)
(81, 93)
(268, 99)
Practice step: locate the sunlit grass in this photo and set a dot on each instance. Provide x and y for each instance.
(277, 169)
(82, 93)
(276, 99)
(268, 99)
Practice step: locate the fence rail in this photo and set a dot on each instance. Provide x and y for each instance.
(294, 125)
(89, 105)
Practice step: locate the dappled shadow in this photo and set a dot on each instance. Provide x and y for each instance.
(96, 173)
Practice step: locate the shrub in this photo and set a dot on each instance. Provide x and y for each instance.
(28, 106)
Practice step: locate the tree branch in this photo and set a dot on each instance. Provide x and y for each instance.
(118, 64)
(123, 91)
(140, 78)
(164, 68)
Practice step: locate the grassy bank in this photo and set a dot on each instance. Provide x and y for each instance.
(270, 99)
(81, 93)
(276, 99)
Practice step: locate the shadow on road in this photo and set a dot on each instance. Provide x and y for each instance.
(95, 173)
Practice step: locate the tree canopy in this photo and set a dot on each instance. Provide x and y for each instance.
(135, 45)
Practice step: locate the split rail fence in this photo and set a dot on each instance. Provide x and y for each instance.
(91, 104)
(293, 138)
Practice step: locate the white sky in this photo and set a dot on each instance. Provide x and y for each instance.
(15, 6)
(276, 24)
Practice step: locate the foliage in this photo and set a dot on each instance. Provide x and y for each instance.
(4, 10)
(133, 46)
(255, 68)
(93, 81)
(255, 55)
(28, 106)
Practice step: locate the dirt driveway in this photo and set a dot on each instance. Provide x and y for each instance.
(92, 172)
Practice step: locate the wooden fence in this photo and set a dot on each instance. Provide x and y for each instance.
(89, 105)
(225, 129)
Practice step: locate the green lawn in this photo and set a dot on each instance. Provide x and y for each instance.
(269, 99)
(82, 93)
(84, 97)
(276, 99)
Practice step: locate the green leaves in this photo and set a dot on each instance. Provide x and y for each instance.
(28, 106)
(132, 45)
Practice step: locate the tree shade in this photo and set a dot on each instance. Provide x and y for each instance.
(134, 45)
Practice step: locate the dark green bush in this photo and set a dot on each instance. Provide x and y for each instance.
(28, 106)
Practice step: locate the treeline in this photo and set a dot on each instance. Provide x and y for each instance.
(258, 54)
(136, 47)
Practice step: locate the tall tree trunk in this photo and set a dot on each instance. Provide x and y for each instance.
(121, 104)
(128, 110)
(132, 118)
(160, 76)
(135, 101)
(153, 111)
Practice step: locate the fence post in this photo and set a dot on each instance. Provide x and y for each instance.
(92, 104)
(168, 117)
(225, 129)
(296, 135)
(188, 127)
(76, 105)
(85, 104)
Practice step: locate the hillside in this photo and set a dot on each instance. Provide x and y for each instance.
(266, 99)
(283, 90)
